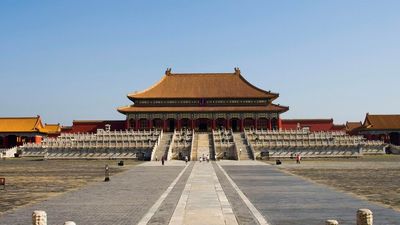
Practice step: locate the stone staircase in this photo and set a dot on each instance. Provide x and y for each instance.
(241, 143)
(162, 148)
(202, 145)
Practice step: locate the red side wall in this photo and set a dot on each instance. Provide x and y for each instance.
(92, 126)
(38, 139)
(313, 124)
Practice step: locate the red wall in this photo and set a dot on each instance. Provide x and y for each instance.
(92, 126)
(313, 124)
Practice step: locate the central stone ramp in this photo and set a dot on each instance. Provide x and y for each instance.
(203, 200)
(203, 145)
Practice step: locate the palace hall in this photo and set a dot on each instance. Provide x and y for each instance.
(202, 102)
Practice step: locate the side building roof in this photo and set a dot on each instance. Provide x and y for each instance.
(21, 125)
(202, 85)
(381, 122)
(52, 128)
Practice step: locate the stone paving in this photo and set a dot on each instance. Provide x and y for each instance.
(286, 199)
(123, 200)
(201, 194)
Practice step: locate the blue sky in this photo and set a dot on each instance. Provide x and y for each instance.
(67, 60)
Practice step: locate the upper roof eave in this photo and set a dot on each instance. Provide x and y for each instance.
(222, 85)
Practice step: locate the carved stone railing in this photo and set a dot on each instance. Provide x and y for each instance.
(153, 152)
(235, 149)
(192, 145)
(8, 152)
(214, 148)
(250, 145)
(171, 146)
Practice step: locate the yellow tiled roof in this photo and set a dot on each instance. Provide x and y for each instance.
(52, 128)
(203, 85)
(382, 122)
(21, 124)
(353, 125)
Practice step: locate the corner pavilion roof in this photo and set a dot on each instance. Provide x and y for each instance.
(202, 85)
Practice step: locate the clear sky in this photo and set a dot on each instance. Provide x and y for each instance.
(67, 60)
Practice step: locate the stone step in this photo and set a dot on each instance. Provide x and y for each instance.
(162, 148)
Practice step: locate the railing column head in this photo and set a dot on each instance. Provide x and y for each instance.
(39, 218)
(364, 217)
(70, 223)
(331, 222)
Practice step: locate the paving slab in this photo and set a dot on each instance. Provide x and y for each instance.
(164, 213)
(243, 215)
(283, 198)
(203, 200)
(123, 200)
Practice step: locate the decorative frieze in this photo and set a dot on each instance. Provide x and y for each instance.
(202, 101)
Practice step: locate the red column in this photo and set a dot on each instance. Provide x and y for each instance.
(136, 124)
(227, 124)
(38, 139)
(256, 124)
(150, 124)
(269, 124)
(165, 125)
(178, 125)
(126, 123)
(192, 123)
(279, 123)
(5, 142)
(213, 124)
(241, 124)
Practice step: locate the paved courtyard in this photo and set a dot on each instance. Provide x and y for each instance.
(202, 193)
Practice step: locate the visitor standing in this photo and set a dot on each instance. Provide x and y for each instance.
(162, 160)
(186, 159)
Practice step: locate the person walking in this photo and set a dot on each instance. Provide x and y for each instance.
(298, 158)
(162, 160)
(186, 159)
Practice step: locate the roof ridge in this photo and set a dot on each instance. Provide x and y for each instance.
(330, 119)
(17, 117)
(383, 114)
(192, 74)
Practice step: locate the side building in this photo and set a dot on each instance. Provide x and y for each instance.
(312, 125)
(16, 131)
(91, 126)
(203, 101)
(381, 127)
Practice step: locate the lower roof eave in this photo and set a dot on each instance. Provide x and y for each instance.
(365, 131)
(199, 111)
